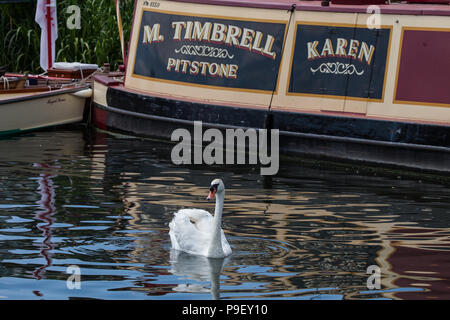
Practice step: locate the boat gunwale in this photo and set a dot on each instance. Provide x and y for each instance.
(38, 95)
(117, 85)
(312, 5)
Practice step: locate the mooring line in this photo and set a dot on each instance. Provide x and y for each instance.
(268, 120)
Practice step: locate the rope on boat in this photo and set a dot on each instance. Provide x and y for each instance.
(83, 80)
(268, 120)
(5, 82)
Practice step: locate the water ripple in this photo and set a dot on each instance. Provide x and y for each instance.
(104, 204)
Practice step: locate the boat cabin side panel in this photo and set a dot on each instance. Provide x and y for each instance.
(350, 63)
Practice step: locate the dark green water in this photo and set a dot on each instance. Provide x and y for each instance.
(103, 204)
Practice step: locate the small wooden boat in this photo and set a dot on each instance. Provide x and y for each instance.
(30, 102)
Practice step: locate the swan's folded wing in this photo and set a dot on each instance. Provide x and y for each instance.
(194, 214)
(201, 219)
(187, 236)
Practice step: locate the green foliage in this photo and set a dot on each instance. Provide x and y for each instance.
(96, 42)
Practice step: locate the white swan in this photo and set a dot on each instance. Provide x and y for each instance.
(197, 232)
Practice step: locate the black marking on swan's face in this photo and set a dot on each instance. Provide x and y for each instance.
(217, 185)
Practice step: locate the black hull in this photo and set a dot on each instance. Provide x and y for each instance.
(423, 147)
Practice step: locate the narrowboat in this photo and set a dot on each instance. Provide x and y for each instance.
(347, 80)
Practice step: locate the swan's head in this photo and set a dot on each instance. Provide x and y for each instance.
(217, 186)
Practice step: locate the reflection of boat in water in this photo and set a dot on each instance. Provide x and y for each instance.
(45, 214)
(333, 85)
(414, 261)
(199, 269)
(41, 146)
(307, 237)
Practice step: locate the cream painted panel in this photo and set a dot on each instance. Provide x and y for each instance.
(99, 95)
(389, 109)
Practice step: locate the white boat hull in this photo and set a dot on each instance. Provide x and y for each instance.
(30, 111)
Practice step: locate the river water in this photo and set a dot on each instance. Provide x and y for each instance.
(95, 208)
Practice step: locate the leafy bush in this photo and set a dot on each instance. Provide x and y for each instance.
(97, 41)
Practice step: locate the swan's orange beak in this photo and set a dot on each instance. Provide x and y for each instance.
(211, 194)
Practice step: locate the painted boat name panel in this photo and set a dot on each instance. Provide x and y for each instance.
(339, 61)
(218, 52)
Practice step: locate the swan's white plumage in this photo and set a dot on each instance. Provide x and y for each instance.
(192, 231)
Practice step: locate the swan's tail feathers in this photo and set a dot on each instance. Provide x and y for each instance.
(225, 245)
(173, 238)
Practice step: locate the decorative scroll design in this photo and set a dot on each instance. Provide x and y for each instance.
(337, 68)
(204, 51)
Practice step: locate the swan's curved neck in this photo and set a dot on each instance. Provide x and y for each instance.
(215, 248)
(219, 208)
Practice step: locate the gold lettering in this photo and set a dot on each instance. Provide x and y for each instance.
(312, 50)
(366, 53)
(213, 69)
(247, 38)
(327, 49)
(233, 71)
(194, 68)
(178, 25)
(152, 34)
(233, 35)
(341, 45)
(224, 69)
(257, 42)
(218, 33)
(268, 47)
(170, 64)
(353, 48)
(201, 33)
(187, 34)
(204, 66)
(186, 64)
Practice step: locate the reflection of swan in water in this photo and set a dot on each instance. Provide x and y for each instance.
(197, 268)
